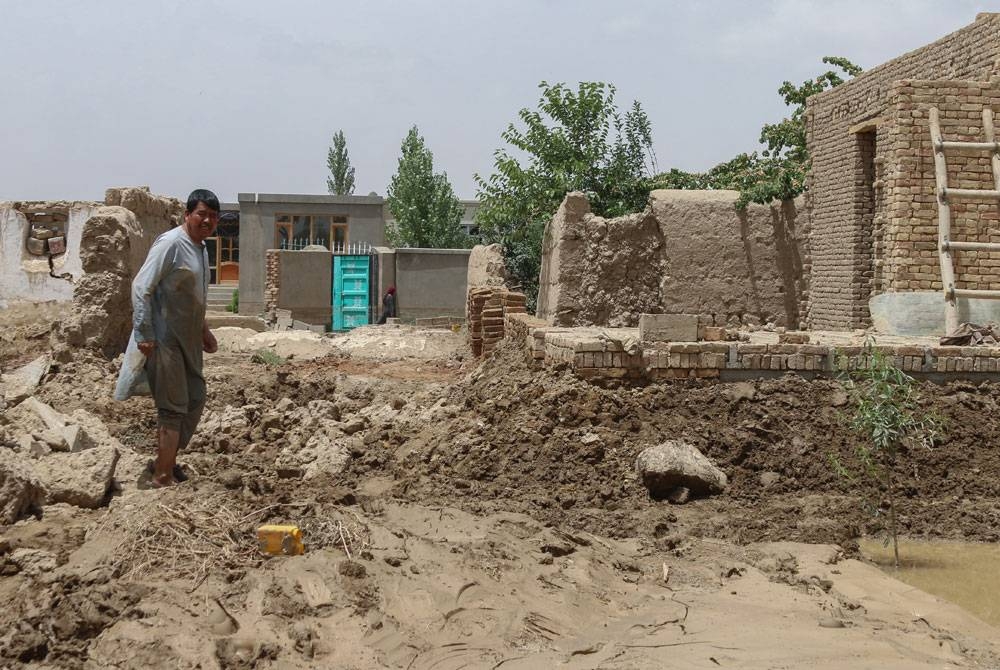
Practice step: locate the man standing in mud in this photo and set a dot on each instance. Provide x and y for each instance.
(168, 302)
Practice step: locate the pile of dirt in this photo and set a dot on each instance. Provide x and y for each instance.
(563, 450)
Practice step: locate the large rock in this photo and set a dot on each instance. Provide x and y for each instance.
(21, 492)
(80, 479)
(21, 383)
(675, 465)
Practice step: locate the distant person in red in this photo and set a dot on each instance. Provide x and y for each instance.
(388, 305)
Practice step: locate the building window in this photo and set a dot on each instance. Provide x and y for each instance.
(300, 230)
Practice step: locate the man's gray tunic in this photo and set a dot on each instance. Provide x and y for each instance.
(168, 299)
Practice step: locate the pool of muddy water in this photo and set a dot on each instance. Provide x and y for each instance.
(966, 574)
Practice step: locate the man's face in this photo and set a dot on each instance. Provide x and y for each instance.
(201, 222)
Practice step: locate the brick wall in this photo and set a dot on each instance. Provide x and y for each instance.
(850, 220)
(911, 258)
(272, 279)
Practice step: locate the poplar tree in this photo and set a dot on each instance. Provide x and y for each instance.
(427, 214)
(341, 179)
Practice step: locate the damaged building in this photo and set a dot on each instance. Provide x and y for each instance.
(860, 249)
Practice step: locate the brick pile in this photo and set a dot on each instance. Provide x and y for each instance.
(272, 279)
(485, 311)
(872, 212)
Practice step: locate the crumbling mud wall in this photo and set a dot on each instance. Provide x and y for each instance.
(113, 246)
(25, 276)
(687, 252)
(859, 135)
(487, 268)
(598, 271)
(741, 267)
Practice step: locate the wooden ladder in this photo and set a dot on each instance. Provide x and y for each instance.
(944, 195)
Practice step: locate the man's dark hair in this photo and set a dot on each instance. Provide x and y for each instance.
(202, 195)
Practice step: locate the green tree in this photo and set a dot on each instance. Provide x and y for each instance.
(778, 171)
(427, 214)
(889, 420)
(341, 179)
(577, 140)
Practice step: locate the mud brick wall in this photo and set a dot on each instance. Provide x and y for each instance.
(598, 271)
(486, 310)
(688, 252)
(740, 267)
(910, 259)
(113, 245)
(272, 279)
(854, 150)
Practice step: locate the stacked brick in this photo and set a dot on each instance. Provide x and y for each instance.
(870, 204)
(272, 279)
(485, 311)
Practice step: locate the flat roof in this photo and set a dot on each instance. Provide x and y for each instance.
(305, 199)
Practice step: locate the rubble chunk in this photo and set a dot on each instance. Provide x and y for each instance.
(81, 478)
(33, 561)
(20, 489)
(22, 382)
(675, 465)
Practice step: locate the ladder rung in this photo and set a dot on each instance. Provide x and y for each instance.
(970, 193)
(971, 246)
(975, 146)
(977, 293)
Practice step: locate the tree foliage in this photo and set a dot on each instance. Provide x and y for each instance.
(576, 140)
(778, 171)
(889, 420)
(427, 214)
(341, 179)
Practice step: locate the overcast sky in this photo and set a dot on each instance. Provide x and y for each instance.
(243, 95)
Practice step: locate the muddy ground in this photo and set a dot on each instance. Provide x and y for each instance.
(460, 513)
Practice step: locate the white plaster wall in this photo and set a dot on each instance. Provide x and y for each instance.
(26, 278)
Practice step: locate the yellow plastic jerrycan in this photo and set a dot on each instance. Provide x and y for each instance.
(277, 540)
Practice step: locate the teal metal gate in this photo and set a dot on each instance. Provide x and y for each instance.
(351, 282)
